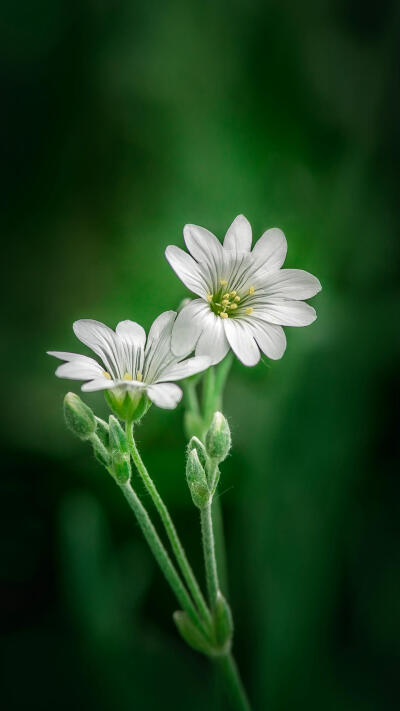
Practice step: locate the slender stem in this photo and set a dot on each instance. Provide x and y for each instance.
(160, 553)
(209, 397)
(191, 397)
(209, 554)
(169, 528)
(220, 549)
(230, 671)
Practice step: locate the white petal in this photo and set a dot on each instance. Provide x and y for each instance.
(103, 341)
(82, 368)
(166, 395)
(269, 252)
(238, 236)
(286, 313)
(99, 384)
(64, 355)
(202, 244)
(186, 269)
(184, 369)
(291, 284)
(132, 333)
(213, 342)
(188, 327)
(162, 324)
(269, 337)
(241, 341)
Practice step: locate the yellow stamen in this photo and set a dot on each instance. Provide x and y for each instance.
(223, 282)
(127, 376)
(106, 375)
(139, 376)
(249, 311)
(209, 297)
(225, 302)
(237, 299)
(223, 315)
(233, 306)
(233, 294)
(251, 290)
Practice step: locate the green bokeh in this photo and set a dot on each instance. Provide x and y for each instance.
(124, 121)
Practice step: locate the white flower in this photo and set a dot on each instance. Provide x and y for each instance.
(245, 296)
(130, 362)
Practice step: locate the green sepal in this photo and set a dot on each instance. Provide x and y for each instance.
(197, 480)
(120, 467)
(218, 438)
(223, 622)
(191, 635)
(196, 444)
(128, 404)
(79, 418)
(117, 436)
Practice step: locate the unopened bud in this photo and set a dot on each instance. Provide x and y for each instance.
(121, 467)
(117, 435)
(79, 417)
(218, 438)
(102, 431)
(197, 480)
(196, 444)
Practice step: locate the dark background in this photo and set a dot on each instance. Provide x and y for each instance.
(122, 122)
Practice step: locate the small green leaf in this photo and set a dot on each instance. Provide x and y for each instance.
(223, 622)
(192, 636)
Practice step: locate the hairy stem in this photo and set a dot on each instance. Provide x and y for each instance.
(234, 683)
(209, 554)
(169, 528)
(160, 553)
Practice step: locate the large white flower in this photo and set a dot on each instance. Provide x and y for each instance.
(245, 296)
(130, 363)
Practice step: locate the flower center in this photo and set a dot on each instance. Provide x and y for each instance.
(225, 303)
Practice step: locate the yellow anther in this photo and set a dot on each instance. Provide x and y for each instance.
(106, 375)
(237, 299)
(233, 307)
(249, 311)
(223, 315)
(251, 290)
(233, 294)
(209, 297)
(127, 376)
(139, 376)
(225, 302)
(223, 282)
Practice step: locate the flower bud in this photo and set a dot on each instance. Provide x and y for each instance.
(121, 467)
(197, 480)
(218, 438)
(196, 444)
(102, 431)
(79, 417)
(117, 435)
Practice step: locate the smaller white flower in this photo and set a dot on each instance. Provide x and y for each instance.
(131, 364)
(245, 297)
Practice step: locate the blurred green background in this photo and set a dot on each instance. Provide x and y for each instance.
(122, 122)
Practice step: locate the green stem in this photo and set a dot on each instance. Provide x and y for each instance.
(209, 554)
(160, 553)
(169, 528)
(236, 689)
(209, 397)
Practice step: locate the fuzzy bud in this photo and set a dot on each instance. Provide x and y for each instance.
(121, 467)
(79, 417)
(102, 431)
(117, 435)
(218, 438)
(197, 480)
(196, 444)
